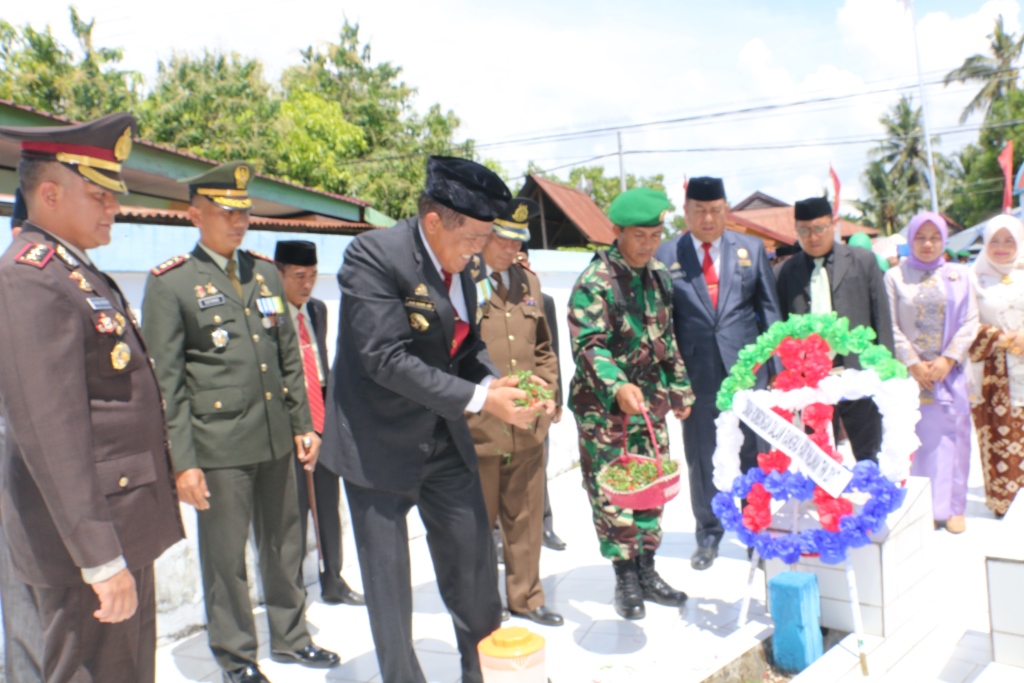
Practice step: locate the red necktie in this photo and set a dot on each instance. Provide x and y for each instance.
(710, 276)
(461, 326)
(313, 390)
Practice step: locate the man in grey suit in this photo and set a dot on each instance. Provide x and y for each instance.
(410, 364)
(723, 298)
(828, 276)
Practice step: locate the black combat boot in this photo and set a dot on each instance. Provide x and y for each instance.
(654, 587)
(629, 599)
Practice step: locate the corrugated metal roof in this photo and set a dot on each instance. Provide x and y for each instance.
(143, 215)
(780, 219)
(189, 155)
(578, 208)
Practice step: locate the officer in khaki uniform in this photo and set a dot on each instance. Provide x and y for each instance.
(227, 358)
(86, 486)
(515, 331)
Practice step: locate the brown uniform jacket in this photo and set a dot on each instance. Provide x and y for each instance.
(86, 474)
(517, 337)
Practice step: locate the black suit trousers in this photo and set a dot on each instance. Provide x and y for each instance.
(863, 425)
(327, 489)
(451, 505)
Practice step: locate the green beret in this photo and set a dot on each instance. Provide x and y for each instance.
(641, 206)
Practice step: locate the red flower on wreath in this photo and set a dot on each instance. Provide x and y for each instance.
(831, 510)
(774, 460)
(757, 515)
(817, 416)
(806, 361)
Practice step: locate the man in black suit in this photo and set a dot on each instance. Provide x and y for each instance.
(296, 260)
(723, 298)
(829, 276)
(410, 364)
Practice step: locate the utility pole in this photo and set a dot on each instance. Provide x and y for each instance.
(622, 166)
(924, 111)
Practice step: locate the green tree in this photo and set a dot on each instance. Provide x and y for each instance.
(39, 71)
(215, 105)
(998, 72)
(316, 142)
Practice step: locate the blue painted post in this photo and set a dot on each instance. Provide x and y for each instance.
(796, 610)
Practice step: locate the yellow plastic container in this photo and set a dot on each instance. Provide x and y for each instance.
(512, 655)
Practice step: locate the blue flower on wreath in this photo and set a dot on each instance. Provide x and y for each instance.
(831, 547)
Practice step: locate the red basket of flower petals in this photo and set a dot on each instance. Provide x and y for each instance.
(638, 482)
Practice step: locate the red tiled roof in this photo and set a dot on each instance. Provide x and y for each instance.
(741, 224)
(780, 219)
(580, 209)
(129, 214)
(189, 155)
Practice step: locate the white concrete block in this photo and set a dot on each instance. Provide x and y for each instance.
(1006, 596)
(1008, 648)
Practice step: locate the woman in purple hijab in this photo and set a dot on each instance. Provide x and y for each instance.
(935, 315)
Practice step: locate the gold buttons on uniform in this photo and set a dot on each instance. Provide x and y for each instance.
(511, 337)
(247, 311)
(256, 338)
(268, 395)
(217, 319)
(218, 405)
(263, 367)
(513, 362)
(508, 314)
(123, 482)
(152, 363)
(285, 390)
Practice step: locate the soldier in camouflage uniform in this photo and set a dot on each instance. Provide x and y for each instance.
(620, 320)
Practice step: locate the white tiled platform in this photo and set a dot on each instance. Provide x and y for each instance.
(593, 645)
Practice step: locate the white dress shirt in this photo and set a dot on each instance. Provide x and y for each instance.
(458, 299)
(716, 253)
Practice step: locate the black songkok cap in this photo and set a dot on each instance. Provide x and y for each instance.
(295, 253)
(20, 212)
(466, 187)
(809, 209)
(705, 189)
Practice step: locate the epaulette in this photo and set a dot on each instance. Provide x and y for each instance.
(259, 255)
(37, 255)
(170, 264)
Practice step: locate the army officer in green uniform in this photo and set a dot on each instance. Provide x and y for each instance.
(228, 363)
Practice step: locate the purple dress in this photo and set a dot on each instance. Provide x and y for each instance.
(936, 314)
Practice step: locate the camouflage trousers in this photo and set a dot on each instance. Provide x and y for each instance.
(622, 533)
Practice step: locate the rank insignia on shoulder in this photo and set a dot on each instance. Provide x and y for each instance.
(37, 255)
(421, 290)
(259, 255)
(83, 284)
(64, 255)
(170, 264)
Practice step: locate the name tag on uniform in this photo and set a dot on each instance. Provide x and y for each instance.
(99, 303)
(211, 301)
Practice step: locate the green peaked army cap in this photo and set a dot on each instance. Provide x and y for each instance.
(226, 185)
(639, 207)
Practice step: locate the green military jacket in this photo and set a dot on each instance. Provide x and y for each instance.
(620, 321)
(229, 368)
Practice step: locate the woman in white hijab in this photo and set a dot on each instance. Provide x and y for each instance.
(998, 352)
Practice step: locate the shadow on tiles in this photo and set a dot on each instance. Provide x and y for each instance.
(616, 637)
(718, 616)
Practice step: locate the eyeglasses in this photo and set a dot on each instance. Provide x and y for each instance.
(816, 229)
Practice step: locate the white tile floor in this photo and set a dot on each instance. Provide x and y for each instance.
(596, 646)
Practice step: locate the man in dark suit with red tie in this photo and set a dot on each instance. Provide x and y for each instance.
(296, 260)
(410, 364)
(723, 298)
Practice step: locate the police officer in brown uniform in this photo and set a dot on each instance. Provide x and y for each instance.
(515, 331)
(88, 500)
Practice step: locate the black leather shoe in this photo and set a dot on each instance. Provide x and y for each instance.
(543, 616)
(703, 557)
(654, 587)
(341, 595)
(505, 614)
(552, 541)
(249, 674)
(629, 597)
(312, 656)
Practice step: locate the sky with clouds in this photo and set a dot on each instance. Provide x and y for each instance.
(517, 71)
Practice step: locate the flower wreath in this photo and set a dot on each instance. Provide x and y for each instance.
(806, 385)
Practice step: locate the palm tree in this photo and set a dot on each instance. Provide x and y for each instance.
(903, 152)
(998, 73)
